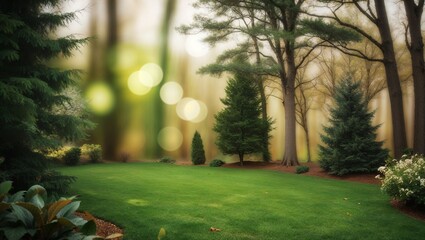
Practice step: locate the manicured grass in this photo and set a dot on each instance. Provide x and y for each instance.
(244, 204)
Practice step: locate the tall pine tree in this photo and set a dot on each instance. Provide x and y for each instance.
(239, 125)
(350, 139)
(31, 92)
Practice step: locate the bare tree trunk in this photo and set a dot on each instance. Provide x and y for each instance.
(393, 80)
(307, 139)
(111, 124)
(416, 49)
(241, 158)
(264, 115)
(290, 157)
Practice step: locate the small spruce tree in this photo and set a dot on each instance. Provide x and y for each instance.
(198, 153)
(239, 126)
(350, 144)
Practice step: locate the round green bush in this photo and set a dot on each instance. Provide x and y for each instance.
(167, 160)
(216, 163)
(94, 152)
(302, 169)
(404, 180)
(72, 156)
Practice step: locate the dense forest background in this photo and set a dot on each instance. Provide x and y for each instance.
(149, 122)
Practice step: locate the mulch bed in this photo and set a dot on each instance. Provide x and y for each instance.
(315, 170)
(103, 228)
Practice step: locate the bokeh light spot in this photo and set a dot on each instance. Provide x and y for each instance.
(195, 47)
(171, 93)
(188, 109)
(151, 74)
(170, 138)
(136, 86)
(100, 98)
(203, 112)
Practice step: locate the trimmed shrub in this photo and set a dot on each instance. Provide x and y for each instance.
(302, 169)
(93, 151)
(72, 156)
(167, 160)
(216, 163)
(28, 215)
(198, 153)
(404, 179)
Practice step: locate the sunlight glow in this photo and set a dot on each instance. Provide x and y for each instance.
(195, 47)
(171, 93)
(151, 74)
(100, 98)
(170, 138)
(136, 86)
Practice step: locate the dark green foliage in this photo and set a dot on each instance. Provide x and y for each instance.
(240, 129)
(216, 163)
(167, 160)
(350, 144)
(72, 156)
(31, 93)
(198, 153)
(29, 168)
(301, 169)
(28, 215)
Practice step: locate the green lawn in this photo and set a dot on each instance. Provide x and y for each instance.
(244, 204)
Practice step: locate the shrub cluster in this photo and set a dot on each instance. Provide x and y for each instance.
(404, 179)
(216, 163)
(302, 169)
(167, 160)
(72, 156)
(93, 151)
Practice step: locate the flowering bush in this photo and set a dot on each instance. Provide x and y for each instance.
(404, 179)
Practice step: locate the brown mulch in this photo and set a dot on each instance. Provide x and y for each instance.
(103, 228)
(315, 170)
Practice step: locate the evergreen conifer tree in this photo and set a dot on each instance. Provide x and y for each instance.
(198, 153)
(31, 92)
(350, 144)
(239, 126)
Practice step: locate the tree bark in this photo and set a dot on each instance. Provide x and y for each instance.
(393, 80)
(416, 49)
(111, 124)
(290, 157)
(264, 115)
(241, 158)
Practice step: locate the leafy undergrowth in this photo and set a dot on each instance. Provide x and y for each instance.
(189, 201)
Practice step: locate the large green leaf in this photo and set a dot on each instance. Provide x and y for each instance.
(36, 190)
(55, 207)
(35, 211)
(89, 228)
(17, 197)
(23, 215)
(79, 222)
(16, 233)
(69, 209)
(37, 200)
(5, 187)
